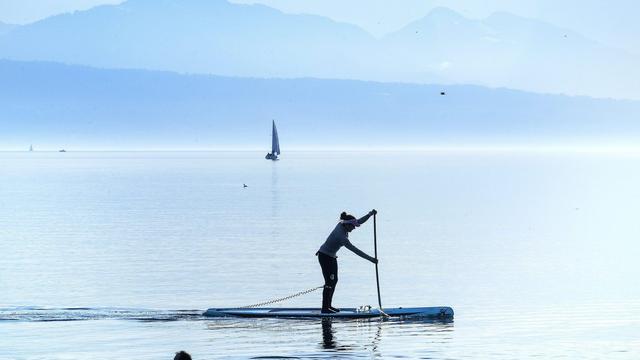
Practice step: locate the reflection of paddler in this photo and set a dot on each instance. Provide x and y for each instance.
(327, 334)
(327, 257)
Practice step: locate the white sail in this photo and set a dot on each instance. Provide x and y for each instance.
(275, 143)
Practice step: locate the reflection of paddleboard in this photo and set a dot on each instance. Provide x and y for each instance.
(442, 312)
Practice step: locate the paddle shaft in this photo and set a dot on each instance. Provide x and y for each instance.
(375, 249)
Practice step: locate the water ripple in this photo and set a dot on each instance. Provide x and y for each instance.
(35, 313)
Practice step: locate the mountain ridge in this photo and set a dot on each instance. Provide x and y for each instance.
(89, 107)
(217, 37)
(6, 28)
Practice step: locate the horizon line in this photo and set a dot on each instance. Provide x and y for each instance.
(461, 148)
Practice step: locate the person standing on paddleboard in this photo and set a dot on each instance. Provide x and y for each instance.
(327, 257)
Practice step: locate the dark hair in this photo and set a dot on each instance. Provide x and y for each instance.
(345, 216)
(182, 355)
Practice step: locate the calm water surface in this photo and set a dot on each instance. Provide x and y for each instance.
(117, 254)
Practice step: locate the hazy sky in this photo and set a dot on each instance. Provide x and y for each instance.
(610, 22)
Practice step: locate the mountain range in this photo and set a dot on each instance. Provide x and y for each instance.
(217, 37)
(83, 107)
(5, 28)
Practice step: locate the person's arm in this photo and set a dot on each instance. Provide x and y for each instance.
(359, 252)
(364, 219)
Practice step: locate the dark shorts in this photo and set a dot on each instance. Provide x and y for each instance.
(329, 267)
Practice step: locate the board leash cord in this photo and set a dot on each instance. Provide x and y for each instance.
(269, 302)
(365, 308)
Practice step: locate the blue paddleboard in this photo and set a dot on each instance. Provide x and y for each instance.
(438, 312)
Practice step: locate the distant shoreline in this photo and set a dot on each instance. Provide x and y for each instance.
(434, 149)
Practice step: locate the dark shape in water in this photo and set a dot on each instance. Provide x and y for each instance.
(182, 355)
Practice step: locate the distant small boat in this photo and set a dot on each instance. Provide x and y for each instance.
(62, 150)
(275, 143)
(30, 147)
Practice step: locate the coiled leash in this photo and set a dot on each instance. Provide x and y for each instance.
(269, 302)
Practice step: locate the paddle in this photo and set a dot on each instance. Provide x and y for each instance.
(375, 249)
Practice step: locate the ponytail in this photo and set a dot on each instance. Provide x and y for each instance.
(345, 216)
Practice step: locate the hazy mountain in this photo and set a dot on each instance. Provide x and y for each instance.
(611, 23)
(5, 28)
(217, 37)
(511, 51)
(201, 36)
(81, 107)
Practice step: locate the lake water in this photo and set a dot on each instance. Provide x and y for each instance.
(115, 254)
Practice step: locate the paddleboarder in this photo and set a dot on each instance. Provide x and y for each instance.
(327, 257)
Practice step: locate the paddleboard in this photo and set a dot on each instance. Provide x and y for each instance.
(438, 312)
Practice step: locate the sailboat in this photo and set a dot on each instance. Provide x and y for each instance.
(275, 144)
(31, 147)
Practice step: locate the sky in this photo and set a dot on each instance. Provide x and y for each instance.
(610, 22)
